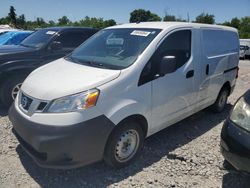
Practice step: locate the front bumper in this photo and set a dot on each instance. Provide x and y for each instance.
(68, 146)
(235, 146)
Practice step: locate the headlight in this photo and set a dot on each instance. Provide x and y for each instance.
(241, 114)
(80, 101)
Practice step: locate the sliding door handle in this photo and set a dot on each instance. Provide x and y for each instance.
(207, 69)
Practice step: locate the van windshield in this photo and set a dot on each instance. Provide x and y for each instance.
(114, 48)
(39, 38)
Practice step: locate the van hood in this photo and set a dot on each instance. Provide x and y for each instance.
(61, 78)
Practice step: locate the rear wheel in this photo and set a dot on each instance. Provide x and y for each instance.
(124, 144)
(9, 89)
(221, 100)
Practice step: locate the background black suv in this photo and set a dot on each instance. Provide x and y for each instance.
(41, 47)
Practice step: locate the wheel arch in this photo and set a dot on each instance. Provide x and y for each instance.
(138, 118)
(226, 85)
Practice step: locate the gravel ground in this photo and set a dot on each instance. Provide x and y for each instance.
(186, 154)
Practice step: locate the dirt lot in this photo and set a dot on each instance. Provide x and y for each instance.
(183, 155)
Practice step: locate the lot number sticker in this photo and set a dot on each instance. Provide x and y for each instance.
(140, 33)
(50, 32)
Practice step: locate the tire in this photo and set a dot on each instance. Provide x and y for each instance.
(221, 101)
(124, 135)
(10, 86)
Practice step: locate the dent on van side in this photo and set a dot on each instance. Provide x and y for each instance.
(122, 85)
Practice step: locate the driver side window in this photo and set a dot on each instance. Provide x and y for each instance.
(177, 44)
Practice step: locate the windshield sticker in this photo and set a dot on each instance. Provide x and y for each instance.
(140, 33)
(50, 32)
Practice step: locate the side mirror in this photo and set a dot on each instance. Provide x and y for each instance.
(56, 46)
(168, 65)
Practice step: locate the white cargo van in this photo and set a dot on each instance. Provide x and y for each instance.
(122, 85)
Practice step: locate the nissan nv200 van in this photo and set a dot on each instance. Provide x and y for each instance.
(122, 85)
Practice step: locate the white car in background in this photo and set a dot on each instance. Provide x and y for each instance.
(246, 42)
(6, 28)
(243, 50)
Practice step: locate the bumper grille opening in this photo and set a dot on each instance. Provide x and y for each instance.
(41, 106)
(39, 155)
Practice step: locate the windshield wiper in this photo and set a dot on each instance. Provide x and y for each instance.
(95, 64)
(91, 63)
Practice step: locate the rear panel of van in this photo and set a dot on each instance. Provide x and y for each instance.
(221, 58)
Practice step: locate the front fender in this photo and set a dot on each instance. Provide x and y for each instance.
(125, 108)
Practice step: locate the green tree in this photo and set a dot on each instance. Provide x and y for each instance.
(40, 22)
(244, 29)
(108, 23)
(4, 20)
(169, 18)
(95, 22)
(51, 23)
(63, 20)
(227, 23)
(12, 15)
(141, 15)
(21, 21)
(205, 18)
(235, 22)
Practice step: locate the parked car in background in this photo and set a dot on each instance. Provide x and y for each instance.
(235, 135)
(39, 48)
(122, 85)
(13, 37)
(243, 49)
(6, 28)
(3, 31)
(246, 42)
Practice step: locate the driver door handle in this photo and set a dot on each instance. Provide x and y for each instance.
(207, 69)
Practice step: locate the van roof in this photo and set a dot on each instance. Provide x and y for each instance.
(166, 25)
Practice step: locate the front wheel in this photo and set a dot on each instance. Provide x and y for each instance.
(221, 101)
(124, 144)
(9, 89)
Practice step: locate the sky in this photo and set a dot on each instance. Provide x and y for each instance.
(224, 10)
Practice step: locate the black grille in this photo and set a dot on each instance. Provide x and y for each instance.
(41, 106)
(25, 102)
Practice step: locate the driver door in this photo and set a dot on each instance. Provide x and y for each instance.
(173, 94)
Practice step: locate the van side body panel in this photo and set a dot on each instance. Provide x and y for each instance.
(220, 54)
